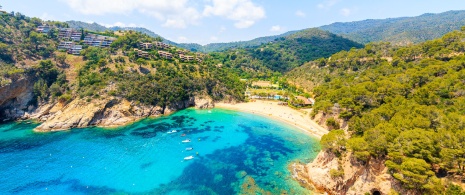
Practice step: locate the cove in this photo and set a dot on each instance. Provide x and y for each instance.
(234, 152)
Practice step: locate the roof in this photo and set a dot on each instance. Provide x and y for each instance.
(307, 101)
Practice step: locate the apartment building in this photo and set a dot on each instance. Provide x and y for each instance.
(44, 29)
(98, 40)
(76, 36)
(75, 49)
(161, 45)
(166, 55)
(65, 33)
(141, 54)
(145, 46)
(186, 57)
(65, 45)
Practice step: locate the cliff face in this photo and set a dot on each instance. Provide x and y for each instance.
(14, 99)
(106, 112)
(357, 178)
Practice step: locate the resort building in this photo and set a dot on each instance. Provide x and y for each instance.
(186, 57)
(65, 45)
(65, 33)
(161, 45)
(44, 29)
(98, 40)
(141, 54)
(76, 36)
(146, 46)
(75, 49)
(166, 55)
(304, 101)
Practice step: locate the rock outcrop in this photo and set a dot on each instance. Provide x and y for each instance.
(357, 178)
(105, 112)
(14, 99)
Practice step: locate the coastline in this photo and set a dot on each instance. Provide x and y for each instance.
(296, 118)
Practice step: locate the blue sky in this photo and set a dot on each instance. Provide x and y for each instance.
(207, 21)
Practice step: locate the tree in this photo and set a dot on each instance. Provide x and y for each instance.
(140, 62)
(36, 39)
(333, 141)
(61, 58)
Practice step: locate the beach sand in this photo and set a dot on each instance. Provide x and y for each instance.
(296, 118)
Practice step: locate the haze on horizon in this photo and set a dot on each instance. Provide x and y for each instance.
(213, 21)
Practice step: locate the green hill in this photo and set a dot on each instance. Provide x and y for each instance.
(402, 104)
(148, 79)
(285, 53)
(400, 31)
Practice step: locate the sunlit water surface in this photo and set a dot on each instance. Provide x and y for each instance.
(234, 152)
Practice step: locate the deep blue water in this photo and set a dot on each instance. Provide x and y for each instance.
(233, 152)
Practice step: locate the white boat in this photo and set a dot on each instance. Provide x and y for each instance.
(173, 131)
(189, 148)
(186, 141)
(188, 157)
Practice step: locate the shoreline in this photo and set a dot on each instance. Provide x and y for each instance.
(298, 119)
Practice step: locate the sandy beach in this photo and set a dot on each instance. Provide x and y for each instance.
(297, 118)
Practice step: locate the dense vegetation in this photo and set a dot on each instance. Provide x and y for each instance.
(115, 71)
(404, 105)
(401, 31)
(283, 54)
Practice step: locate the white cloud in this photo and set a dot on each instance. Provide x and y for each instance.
(182, 39)
(173, 13)
(46, 16)
(327, 4)
(275, 28)
(244, 12)
(213, 38)
(222, 29)
(346, 12)
(300, 14)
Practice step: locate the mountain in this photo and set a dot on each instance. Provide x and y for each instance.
(285, 53)
(88, 26)
(212, 47)
(400, 31)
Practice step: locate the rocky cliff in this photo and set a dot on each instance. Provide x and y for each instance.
(344, 175)
(105, 112)
(15, 98)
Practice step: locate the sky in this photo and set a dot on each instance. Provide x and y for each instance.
(212, 21)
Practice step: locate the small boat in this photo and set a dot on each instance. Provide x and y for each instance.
(173, 131)
(188, 157)
(186, 141)
(189, 148)
(209, 111)
(183, 135)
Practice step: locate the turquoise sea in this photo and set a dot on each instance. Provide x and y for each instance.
(234, 152)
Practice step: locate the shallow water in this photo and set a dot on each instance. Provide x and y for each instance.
(233, 152)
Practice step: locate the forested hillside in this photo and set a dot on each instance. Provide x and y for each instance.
(404, 105)
(400, 31)
(119, 70)
(284, 53)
